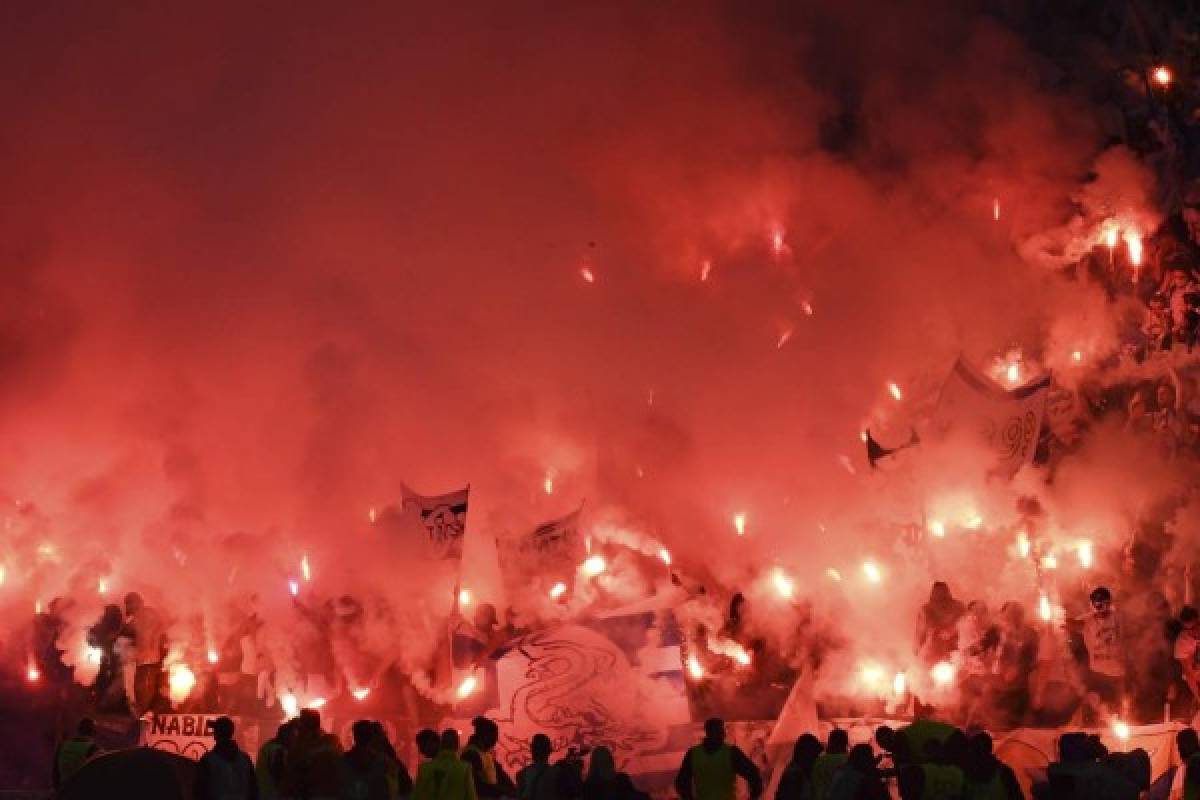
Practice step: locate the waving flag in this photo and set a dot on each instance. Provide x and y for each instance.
(551, 552)
(442, 517)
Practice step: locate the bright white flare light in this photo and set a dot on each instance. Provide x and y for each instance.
(942, 673)
(1045, 610)
(316, 703)
(1085, 554)
(180, 681)
(1120, 730)
(293, 588)
(290, 705)
(871, 572)
(213, 656)
(1133, 243)
(361, 693)
(872, 676)
(548, 481)
(1023, 544)
(102, 586)
(558, 590)
(834, 575)
(899, 683)
(32, 674)
(664, 555)
(694, 669)
(93, 655)
(894, 390)
(594, 565)
(1013, 373)
(467, 687)
(464, 597)
(304, 569)
(937, 528)
(1050, 561)
(784, 585)
(739, 523)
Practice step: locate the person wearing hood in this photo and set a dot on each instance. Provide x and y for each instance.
(937, 625)
(796, 781)
(364, 768)
(859, 779)
(710, 769)
(605, 782)
(987, 777)
(225, 772)
(480, 753)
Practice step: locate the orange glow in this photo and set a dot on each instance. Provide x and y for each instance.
(1162, 76)
(739, 523)
(1133, 243)
(587, 275)
(894, 389)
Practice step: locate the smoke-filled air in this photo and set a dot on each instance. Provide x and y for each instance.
(802, 307)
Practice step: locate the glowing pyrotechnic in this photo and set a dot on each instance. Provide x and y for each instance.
(33, 674)
(777, 243)
(1120, 730)
(1085, 554)
(996, 209)
(664, 555)
(548, 481)
(1162, 76)
(833, 574)
(694, 669)
(1050, 561)
(942, 673)
(1045, 610)
(304, 569)
(93, 655)
(1023, 544)
(973, 521)
(594, 565)
(807, 308)
(1077, 356)
(3, 575)
(37, 606)
(899, 683)
(739, 523)
(705, 269)
(587, 275)
(783, 339)
(464, 597)
(784, 585)
(872, 676)
(558, 590)
(467, 687)
(1111, 236)
(290, 705)
(213, 656)
(294, 588)
(1133, 243)
(361, 693)
(871, 572)
(316, 703)
(741, 657)
(937, 528)
(895, 390)
(180, 682)
(102, 586)
(1012, 373)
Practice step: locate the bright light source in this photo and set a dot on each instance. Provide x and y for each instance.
(705, 270)
(1077, 356)
(316, 703)
(558, 590)
(1120, 730)
(872, 675)
(942, 673)
(694, 669)
(467, 687)
(974, 521)
(32, 674)
(996, 209)
(1045, 610)
(1133, 243)
(102, 586)
(1162, 76)
(1013, 373)
(833, 574)
(1085, 554)
(304, 568)
(587, 275)
(594, 565)
(937, 528)
(739, 523)
(741, 656)
(213, 656)
(871, 572)
(894, 390)
(361, 693)
(777, 242)
(784, 585)
(664, 555)
(1023, 544)
(180, 681)
(548, 481)
(899, 683)
(464, 597)
(290, 705)
(294, 588)
(1050, 561)
(93, 655)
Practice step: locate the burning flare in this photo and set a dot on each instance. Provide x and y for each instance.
(739, 523)
(942, 673)
(899, 684)
(213, 656)
(1133, 243)
(894, 389)
(1085, 554)
(464, 597)
(871, 572)
(1162, 76)
(784, 585)
(304, 568)
(558, 590)
(937, 528)
(180, 681)
(594, 565)
(361, 693)
(587, 275)
(694, 669)
(290, 705)
(664, 555)
(467, 687)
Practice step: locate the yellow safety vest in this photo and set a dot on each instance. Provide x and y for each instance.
(488, 760)
(824, 770)
(712, 773)
(73, 754)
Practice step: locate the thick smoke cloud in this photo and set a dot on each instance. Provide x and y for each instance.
(262, 264)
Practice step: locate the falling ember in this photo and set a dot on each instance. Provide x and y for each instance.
(1050, 561)
(1111, 236)
(548, 481)
(996, 209)
(304, 568)
(1133, 243)
(360, 694)
(739, 523)
(213, 656)
(1162, 76)
(587, 275)
(180, 682)
(899, 684)
(294, 588)
(784, 585)
(290, 705)
(783, 339)
(942, 673)
(467, 687)
(1085, 554)
(937, 528)
(1077, 356)
(871, 571)
(833, 574)
(705, 269)
(1120, 730)
(594, 565)
(694, 669)
(664, 556)
(37, 606)
(1045, 610)
(32, 674)
(1023, 544)
(1013, 373)
(777, 243)
(373, 514)
(464, 597)
(807, 308)
(316, 703)
(895, 391)
(102, 586)
(558, 590)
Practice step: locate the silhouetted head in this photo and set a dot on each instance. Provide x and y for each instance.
(222, 729)
(861, 758)
(885, 737)
(133, 603)
(939, 593)
(954, 749)
(714, 730)
(87, 727)
(487, 733)
(450, 740)
(309, 721)
(839, 742)
(1101, 599)
(285, 734)
(806, 750)
(362, 731)
(1187, 742)
(602, 766)
(428, 742)
(540, 748)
